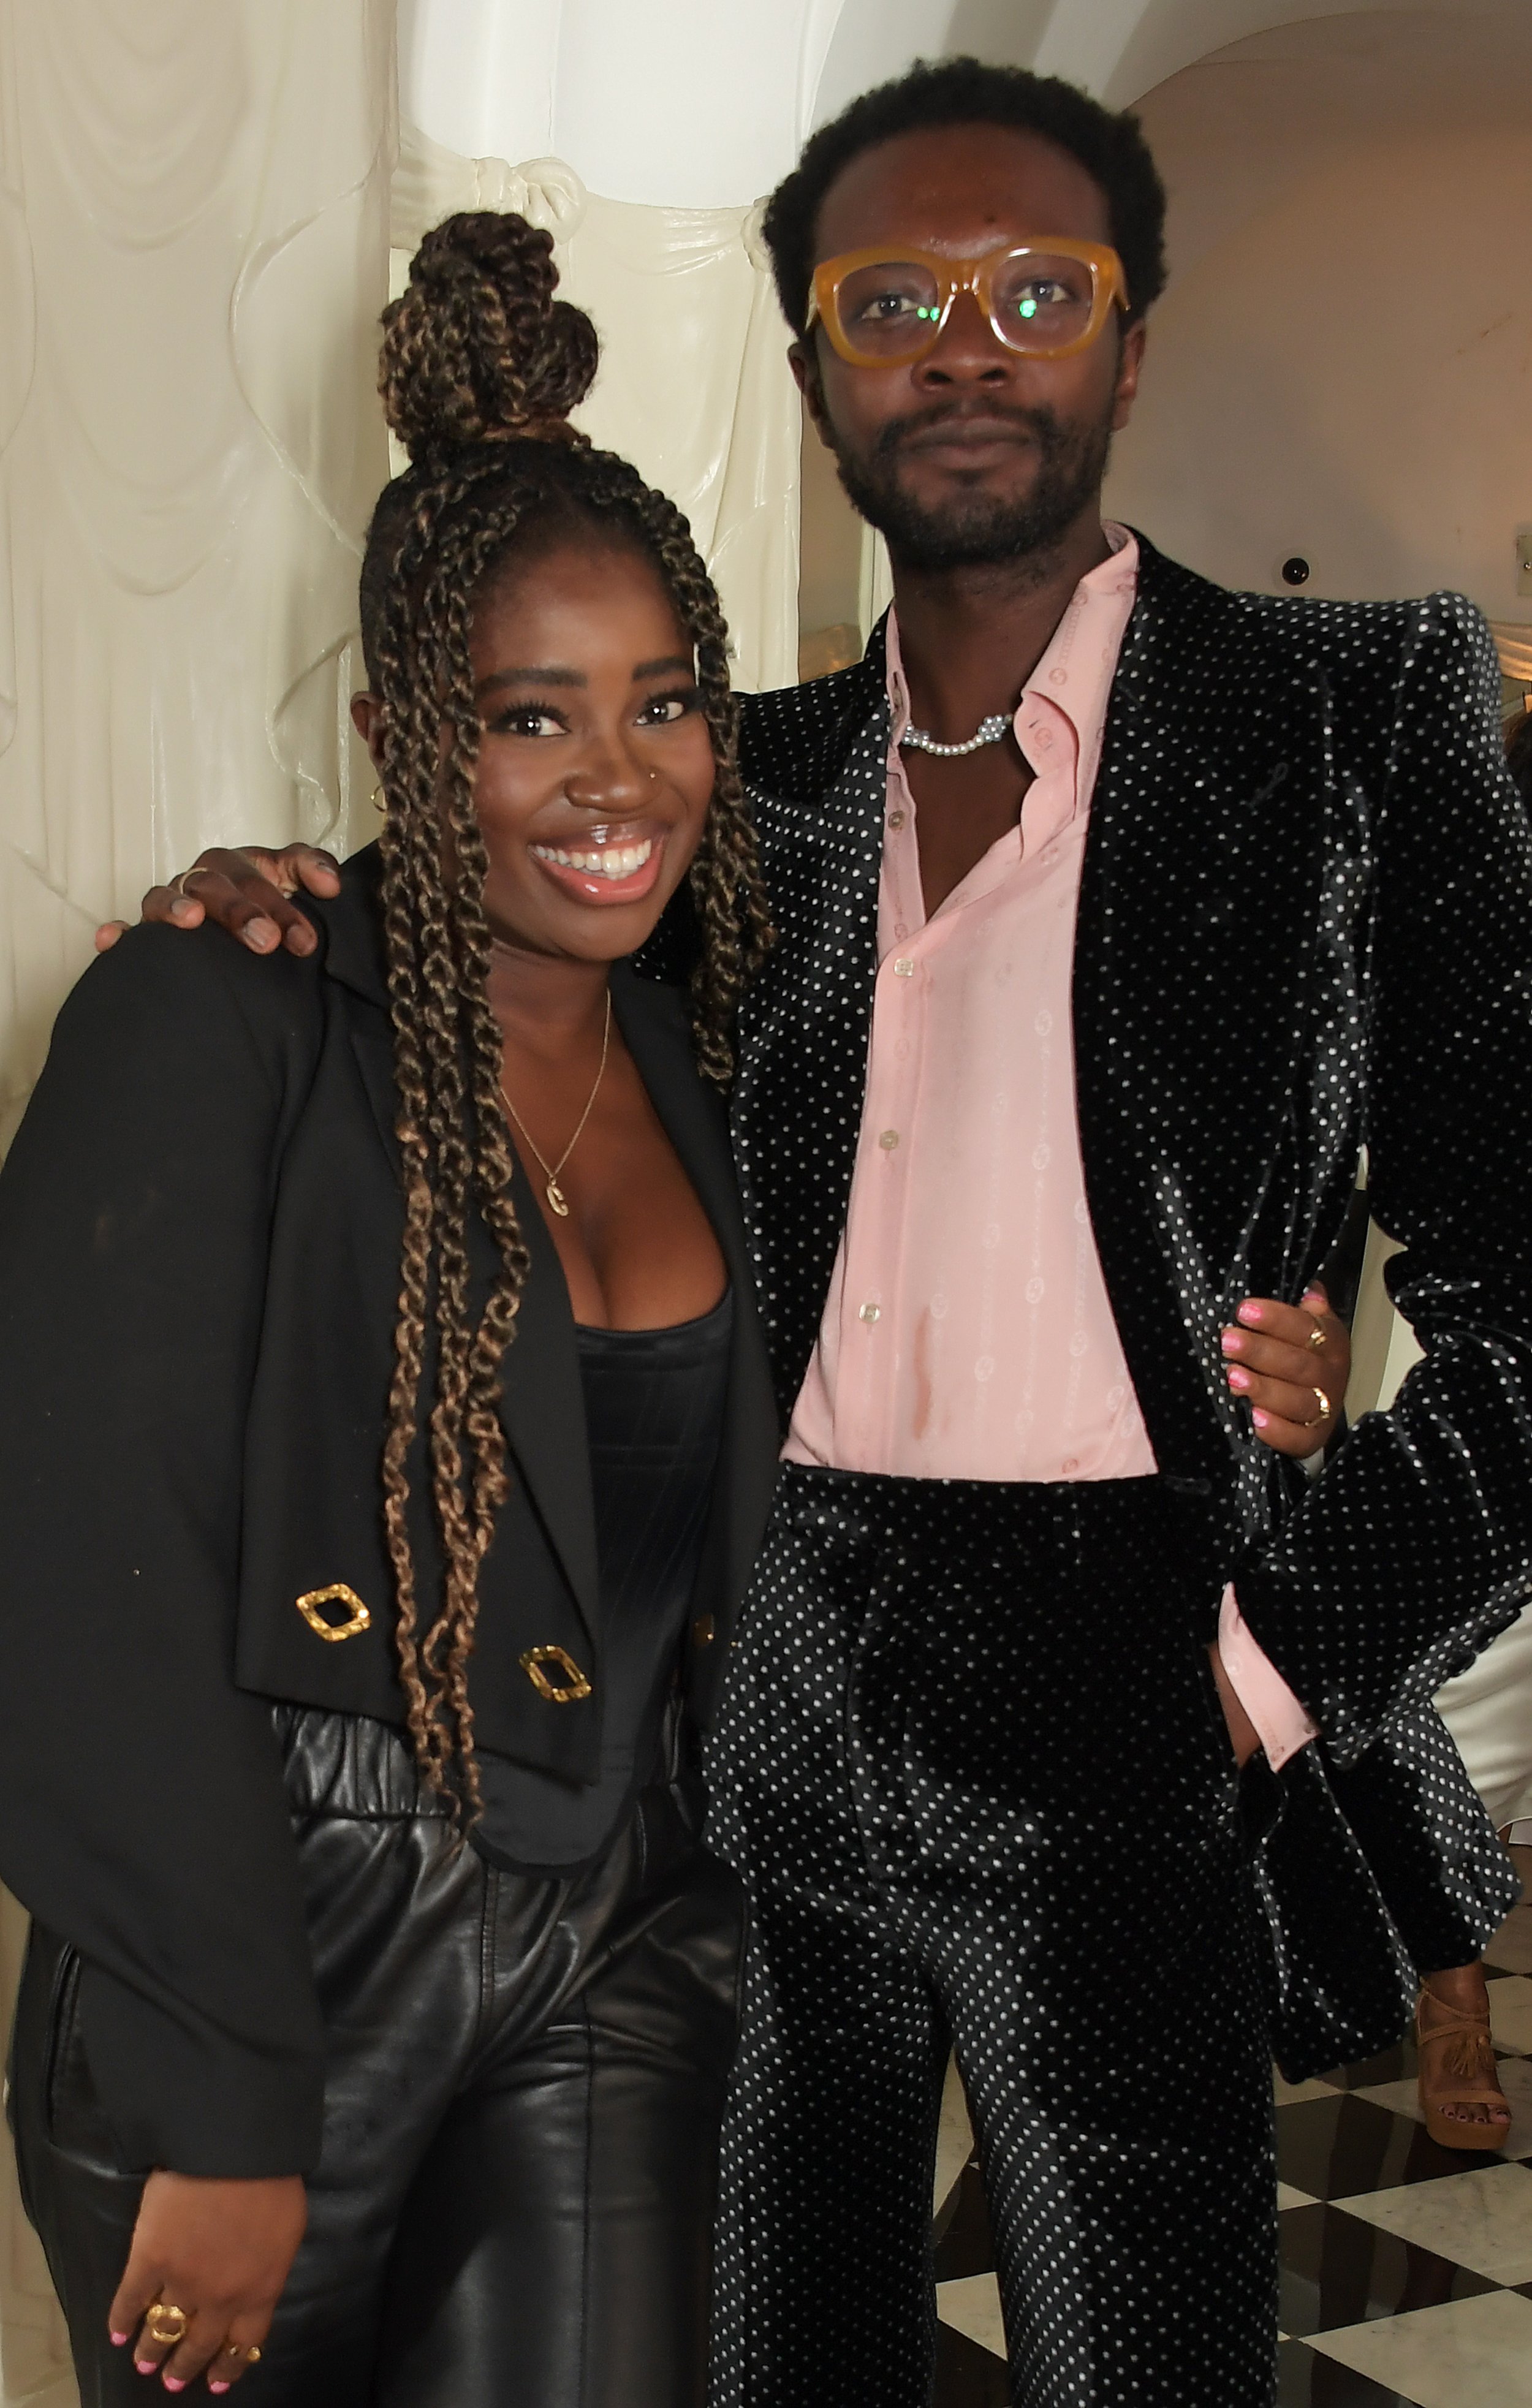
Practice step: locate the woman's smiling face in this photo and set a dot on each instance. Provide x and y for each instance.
(596, 768)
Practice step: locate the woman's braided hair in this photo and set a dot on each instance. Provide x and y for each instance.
(480, 366)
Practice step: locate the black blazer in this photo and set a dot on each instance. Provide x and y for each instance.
(1305, 926)
(200, 1239)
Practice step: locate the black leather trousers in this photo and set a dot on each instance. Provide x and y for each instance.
(526, 2081)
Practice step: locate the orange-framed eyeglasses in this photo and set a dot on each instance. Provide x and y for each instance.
(887, 307)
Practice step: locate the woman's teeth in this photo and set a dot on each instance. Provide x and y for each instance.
(611, 861)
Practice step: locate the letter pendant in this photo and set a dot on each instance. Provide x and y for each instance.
(555, 1200)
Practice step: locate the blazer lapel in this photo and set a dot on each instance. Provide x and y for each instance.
(805, 1023)
(541, 1406)
(1193, 961)
(653, 1022)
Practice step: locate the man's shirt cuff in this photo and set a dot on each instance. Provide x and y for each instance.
(1281, 1720)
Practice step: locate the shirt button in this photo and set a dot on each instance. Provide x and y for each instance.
(889, 1140)
(868, 1312)
(899, 929)
(905, 969)
(896, 819)
(1071, 1463)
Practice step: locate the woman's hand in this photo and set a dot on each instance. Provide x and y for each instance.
(220, 2251)
(246, 892)
(1290, 1363)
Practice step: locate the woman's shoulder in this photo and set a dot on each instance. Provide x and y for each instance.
(195, 997)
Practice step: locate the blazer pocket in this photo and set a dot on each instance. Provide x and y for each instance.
(73, 2120)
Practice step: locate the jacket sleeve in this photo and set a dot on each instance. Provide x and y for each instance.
(142, 1818)
(1412, 1548)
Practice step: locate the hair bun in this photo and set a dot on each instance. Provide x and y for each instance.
(477, 347)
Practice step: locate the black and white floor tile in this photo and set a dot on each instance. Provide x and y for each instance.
(1406, 2269)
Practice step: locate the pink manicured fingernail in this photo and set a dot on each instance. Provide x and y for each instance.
(1260, 1419)
(118, 2339)
(175, 2382)
(1249, 1312)
(147, 2365)
(218, 2387)
(1238, 1377)
(1231, 1341)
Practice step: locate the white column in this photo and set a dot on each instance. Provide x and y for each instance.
(642, 136)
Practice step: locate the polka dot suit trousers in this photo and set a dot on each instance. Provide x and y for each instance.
(972, 1765)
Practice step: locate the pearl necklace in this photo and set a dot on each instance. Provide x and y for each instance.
(990, 732)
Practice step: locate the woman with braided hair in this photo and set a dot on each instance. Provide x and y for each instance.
(387, 1437)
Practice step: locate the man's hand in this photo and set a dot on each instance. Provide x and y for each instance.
(245, 893)
(1290, 1363)
(219, 2251)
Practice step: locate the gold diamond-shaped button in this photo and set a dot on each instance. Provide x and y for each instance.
(575, 1684)
(356, 1620)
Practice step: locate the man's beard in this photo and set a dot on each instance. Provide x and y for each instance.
(975, 530)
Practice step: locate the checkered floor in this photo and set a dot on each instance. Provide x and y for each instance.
(1406, 2269)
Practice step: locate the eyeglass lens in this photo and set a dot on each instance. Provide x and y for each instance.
(1040, 301)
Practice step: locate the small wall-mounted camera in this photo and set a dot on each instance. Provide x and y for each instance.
(1294, 570)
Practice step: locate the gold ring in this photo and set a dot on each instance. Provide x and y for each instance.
(375, 799)
(1316, 1340)
(1324, 1412)
(198, 870)
(251, 2355)
(166, 2324)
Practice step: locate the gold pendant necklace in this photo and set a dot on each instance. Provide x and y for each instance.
(550, 1170)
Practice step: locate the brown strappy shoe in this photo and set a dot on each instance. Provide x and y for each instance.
(1456, 2068)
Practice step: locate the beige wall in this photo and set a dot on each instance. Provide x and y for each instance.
(1342, 366)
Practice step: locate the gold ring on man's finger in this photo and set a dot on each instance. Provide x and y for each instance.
(166, 2324)
(1323, 1413)
(198, 870)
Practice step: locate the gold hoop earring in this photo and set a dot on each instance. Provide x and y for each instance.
(375, 799)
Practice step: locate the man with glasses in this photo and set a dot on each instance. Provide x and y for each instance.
(1272, 884)
(1116, 913)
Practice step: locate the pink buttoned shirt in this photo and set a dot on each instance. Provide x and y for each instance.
(968, 1333)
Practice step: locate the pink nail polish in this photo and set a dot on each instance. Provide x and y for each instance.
(118, 2339)
(1230, 1342)
(1261, 1420)
(1249, 1312)
(1238, 1377)
(218, 2387)
(174, 2383)
(147, 2365)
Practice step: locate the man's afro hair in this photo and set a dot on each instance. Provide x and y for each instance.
(1108, 143)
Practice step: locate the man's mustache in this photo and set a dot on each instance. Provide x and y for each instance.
(1037, 420)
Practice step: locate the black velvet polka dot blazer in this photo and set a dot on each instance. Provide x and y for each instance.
(1304, 928)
